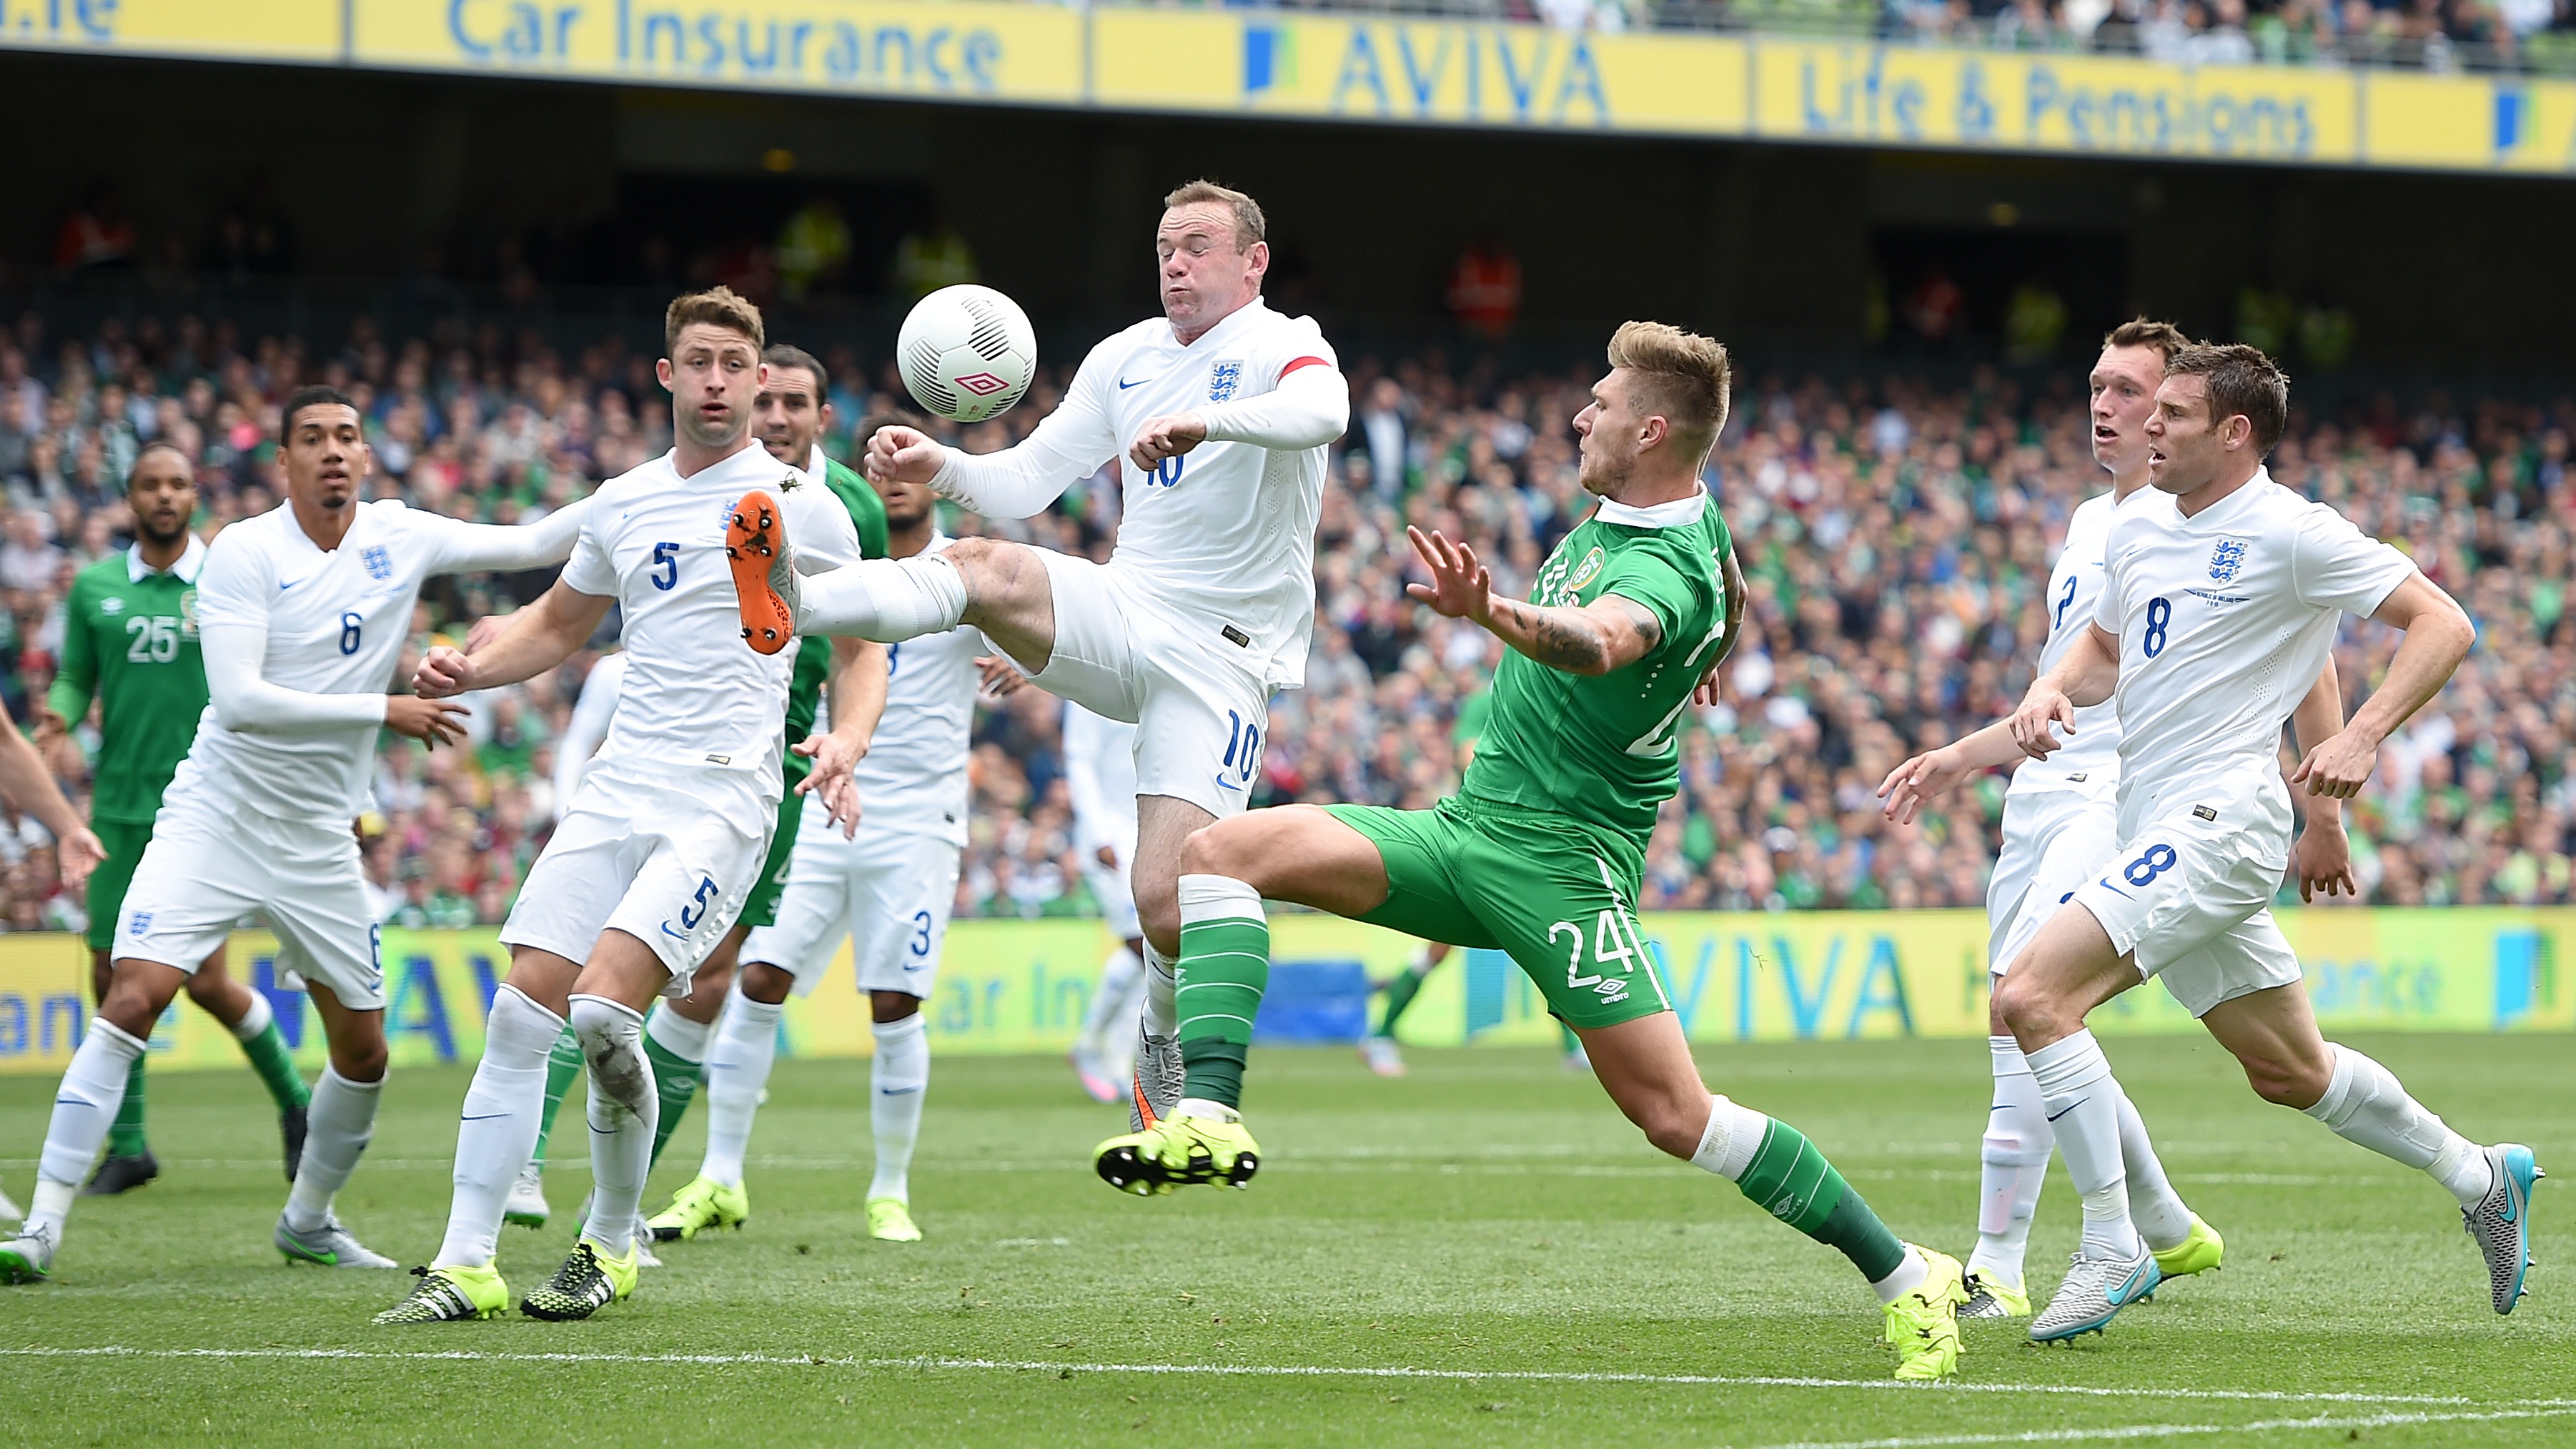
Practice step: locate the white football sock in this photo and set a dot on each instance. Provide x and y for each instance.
(899, 1078)
(255, 1020)
(624, 1109)
(2154, 1207)
(1733, 1135)
(678, 1035)
(338, 1123)
(84, 1108)
(2084, 1107)
(1113, 1001)
(2365, 1103)
(496, 1130)
(1909, 1275)
(1161, 1014)
(746, 1045)
(2013, 1164)
(887, 600)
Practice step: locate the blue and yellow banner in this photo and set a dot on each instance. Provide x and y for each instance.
(1385, 69)
(1023, 986)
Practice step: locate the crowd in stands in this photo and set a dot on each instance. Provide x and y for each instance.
(1896, 535)
(2436, 34)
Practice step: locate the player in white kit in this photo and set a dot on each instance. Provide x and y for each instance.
(2221, 602)
(2061, 817)
(888, 891)
(303, 612)
(1100, 771)
(652, 860)
(1222, 410)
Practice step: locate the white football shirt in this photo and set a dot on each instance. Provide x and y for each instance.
(913, 779)
(336, 623)
(1225, 533)
(2090, 759)
(1100, 770)
(694, 694)
(2225, 619)
(588, 727)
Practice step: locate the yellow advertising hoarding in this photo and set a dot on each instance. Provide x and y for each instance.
(278, 30)
(1882, 94)
(985, 50)
(1377, 68)
(1023, 986)
(1425, 71)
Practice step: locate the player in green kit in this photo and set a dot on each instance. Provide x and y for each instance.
(1378, 1049)
(792, 418)
(1540, 852)
(130, 639)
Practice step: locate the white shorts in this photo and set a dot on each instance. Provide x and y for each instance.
(2052, 841)
(888, 892)
(211, 863)
(1109, 886)
(1199, 704)
(2190, 895)
(667, 856)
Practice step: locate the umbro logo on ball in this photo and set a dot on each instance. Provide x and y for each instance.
(982, 384)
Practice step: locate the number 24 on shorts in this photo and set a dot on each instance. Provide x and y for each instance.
(1614, 939)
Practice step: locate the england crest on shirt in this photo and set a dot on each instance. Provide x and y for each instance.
(2226, 559)
(380, 564)
(1223, 379)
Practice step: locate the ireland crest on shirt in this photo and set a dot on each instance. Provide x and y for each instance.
(1223, 379)
(2226, 559)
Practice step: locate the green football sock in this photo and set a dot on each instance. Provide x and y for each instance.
(675, 1079)
(1399, 995)
(1224, 967)
(269, 1058)
(125, 1135)
(562, 1065)
(1789, 1179)
(677, 1048)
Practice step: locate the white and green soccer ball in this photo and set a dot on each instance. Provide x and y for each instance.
(967, 353)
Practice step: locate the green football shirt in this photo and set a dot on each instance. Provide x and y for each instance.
(130, 639)
(1604, 749)
(814, 653)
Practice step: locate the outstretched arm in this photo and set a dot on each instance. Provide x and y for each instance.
(464, 548)
(1608, 633)
(1935, 771)
(534, 640)
(1309, 408)
(236, 648)
(26, 780)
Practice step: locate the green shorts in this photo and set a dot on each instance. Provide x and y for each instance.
(107, 884)
(1554, 894)
(762, 908)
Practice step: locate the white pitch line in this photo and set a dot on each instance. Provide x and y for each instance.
(2125, 1432)
(467, 1355)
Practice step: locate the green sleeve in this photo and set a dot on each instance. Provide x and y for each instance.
(1642, 576)
(866, 509)
(78, 678)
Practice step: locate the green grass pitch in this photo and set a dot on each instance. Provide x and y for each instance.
(1481, 1253)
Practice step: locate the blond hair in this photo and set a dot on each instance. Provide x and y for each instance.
(716, 307)
(1684, 376)
(1249, 224)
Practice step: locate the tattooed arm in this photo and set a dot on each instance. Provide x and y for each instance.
(1608, 633)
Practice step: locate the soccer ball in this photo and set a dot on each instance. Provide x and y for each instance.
(967, 353)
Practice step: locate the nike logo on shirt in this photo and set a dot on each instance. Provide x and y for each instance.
(1124, 384)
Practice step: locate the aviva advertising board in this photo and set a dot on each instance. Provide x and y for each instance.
(1385, 69)
(1011, 986)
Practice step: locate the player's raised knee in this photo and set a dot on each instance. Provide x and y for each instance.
(2285, 1081)
(2024, 1007)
